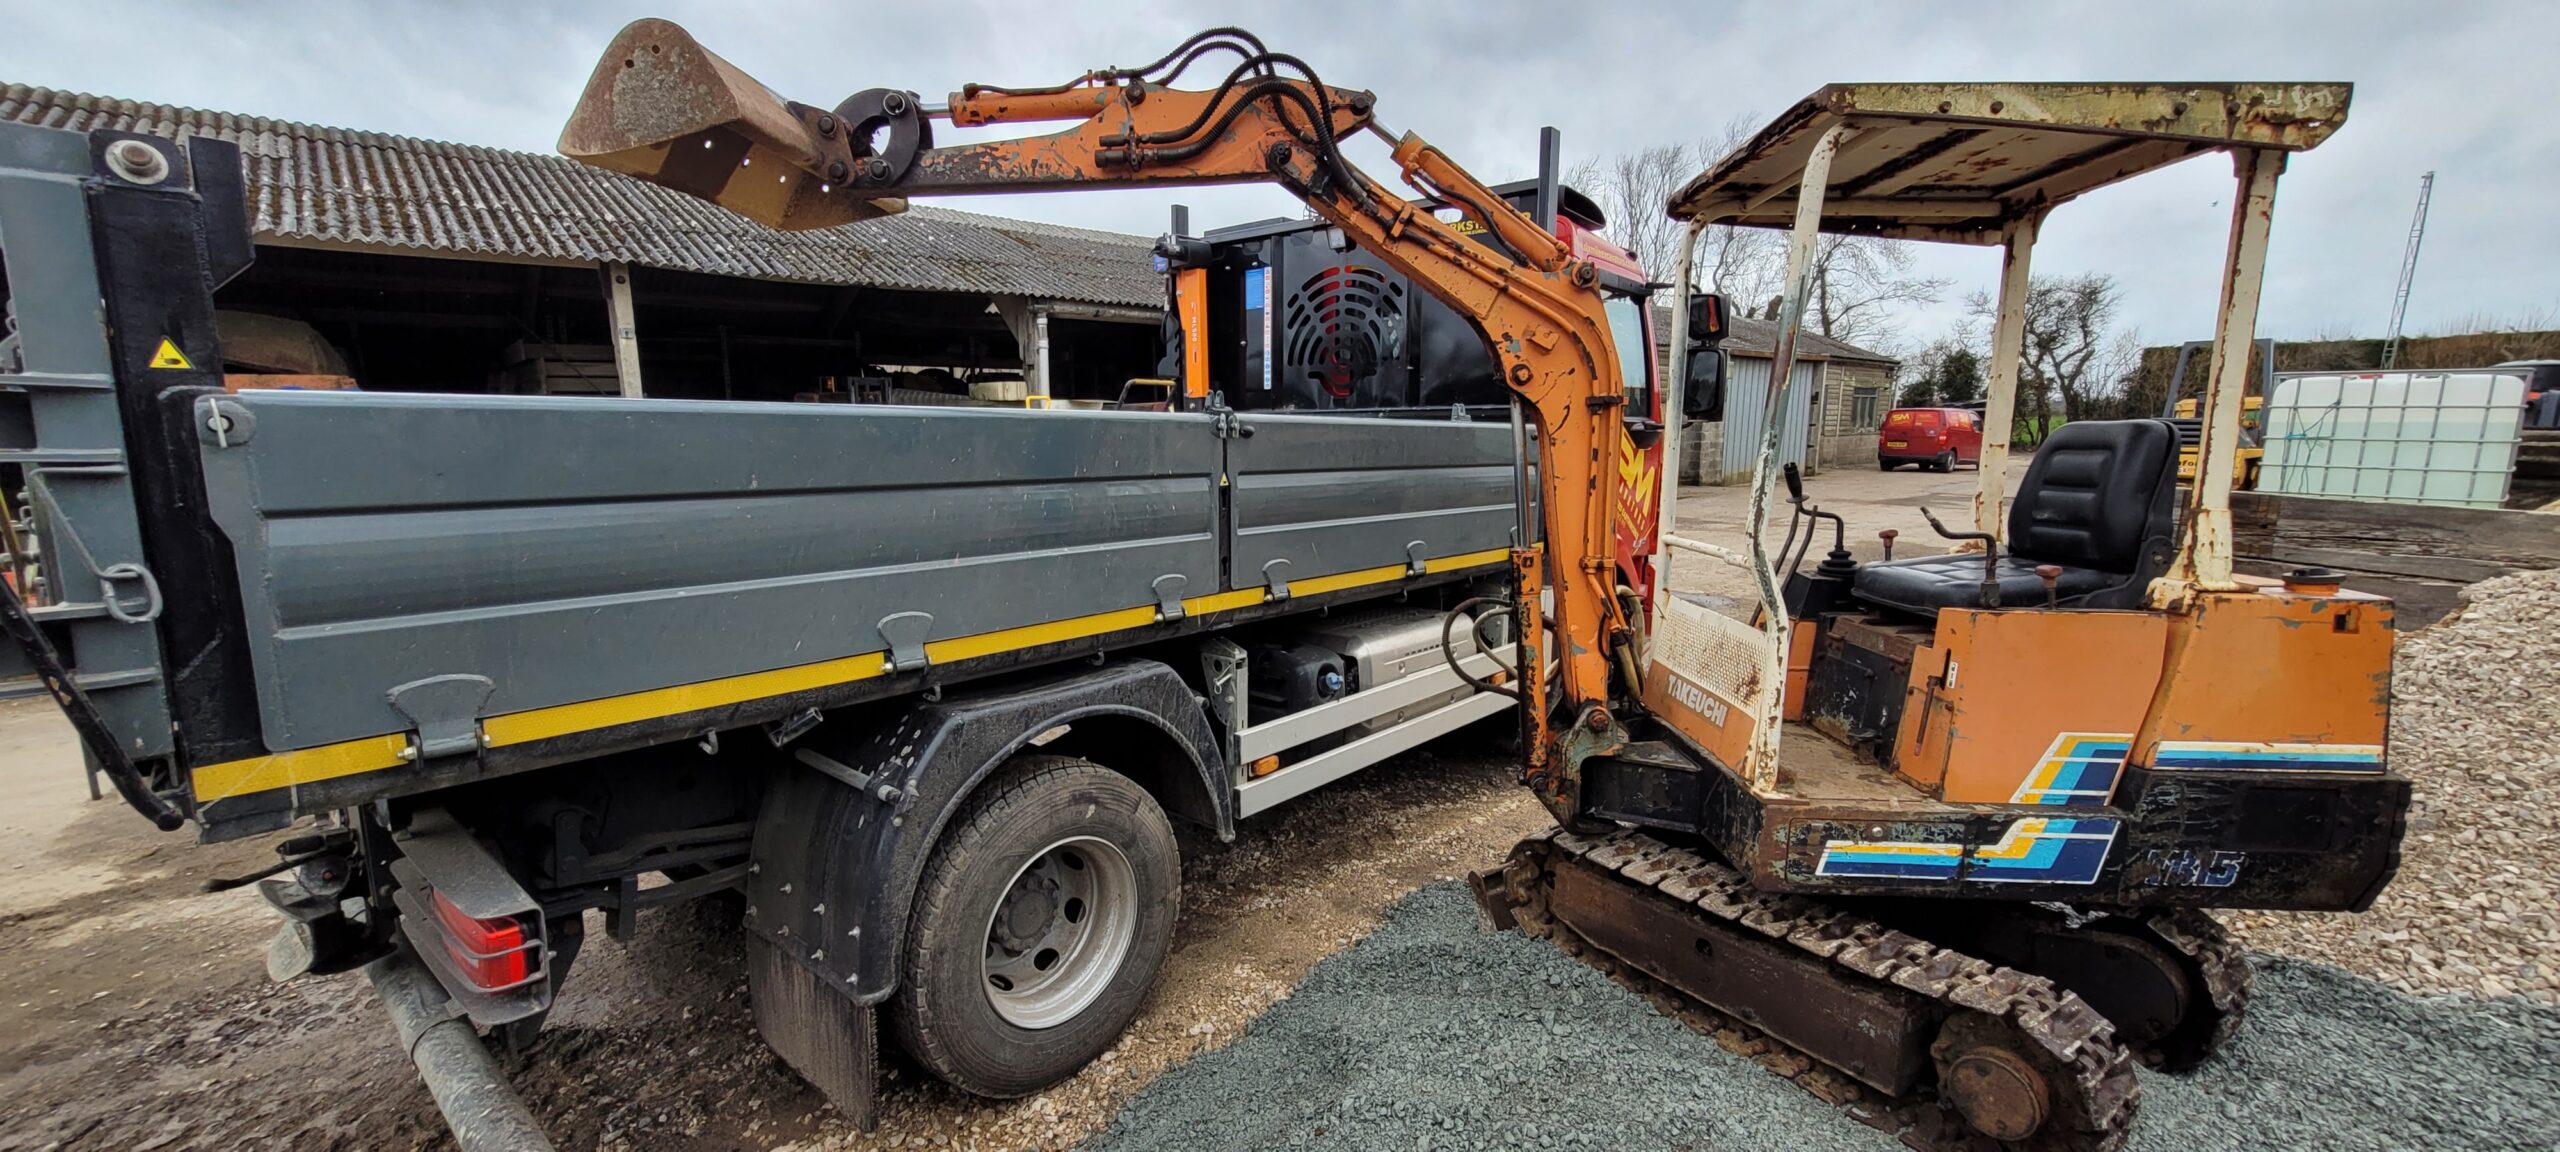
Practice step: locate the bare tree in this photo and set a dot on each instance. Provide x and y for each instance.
(1858, 280)
(2117, 371)
(2067, 353)
(1634, 190)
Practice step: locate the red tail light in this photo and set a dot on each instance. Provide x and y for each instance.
(492, 954)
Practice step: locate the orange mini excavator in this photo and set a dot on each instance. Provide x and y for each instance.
(1929, 833)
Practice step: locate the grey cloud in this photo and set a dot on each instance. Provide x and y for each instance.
(2455, 88)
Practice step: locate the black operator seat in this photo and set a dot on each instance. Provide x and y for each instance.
(2099, 502)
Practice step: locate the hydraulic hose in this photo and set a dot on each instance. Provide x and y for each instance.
(1448, 649)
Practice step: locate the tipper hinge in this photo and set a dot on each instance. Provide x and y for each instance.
(905, 633)
(1168, 589)
(445, 710)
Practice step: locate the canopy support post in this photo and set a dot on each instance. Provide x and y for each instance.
(1675, 424)
(2204, 554)
(2000, 408)
(1761, 769)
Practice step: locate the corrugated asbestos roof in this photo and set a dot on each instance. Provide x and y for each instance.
(403, 195)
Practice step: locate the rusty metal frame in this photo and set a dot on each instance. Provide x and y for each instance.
(2000, 409)
(2204, 551)
(1960, 163)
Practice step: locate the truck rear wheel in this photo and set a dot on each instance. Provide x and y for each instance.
(1039, 924)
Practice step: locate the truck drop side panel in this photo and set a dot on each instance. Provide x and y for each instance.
(526, 569)
(574, 549)
(1325, 494)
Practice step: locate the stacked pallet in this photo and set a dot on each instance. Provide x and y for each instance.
(541, 368)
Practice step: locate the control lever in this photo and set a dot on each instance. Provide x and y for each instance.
(1990, 556)
(1887, 536)
(2051, 574)
(1836, 565)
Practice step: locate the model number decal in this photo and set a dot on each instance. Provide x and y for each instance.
(2190, 868)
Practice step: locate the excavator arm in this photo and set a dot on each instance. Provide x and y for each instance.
(665, 109)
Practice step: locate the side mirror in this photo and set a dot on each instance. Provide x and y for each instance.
(1702, 384)
(1706, 318)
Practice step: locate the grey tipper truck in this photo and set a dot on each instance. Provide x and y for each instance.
(926, 685)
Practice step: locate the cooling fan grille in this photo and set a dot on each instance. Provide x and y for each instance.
(1343, 322)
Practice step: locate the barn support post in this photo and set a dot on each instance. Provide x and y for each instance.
(622, 327)
(1028, 320)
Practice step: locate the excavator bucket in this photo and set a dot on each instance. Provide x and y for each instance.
(663, 108)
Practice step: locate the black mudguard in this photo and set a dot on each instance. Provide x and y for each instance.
(835, 870)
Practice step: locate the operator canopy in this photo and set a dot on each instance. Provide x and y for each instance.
(1956, 162)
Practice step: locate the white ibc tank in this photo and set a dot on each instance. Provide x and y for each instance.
(2412, 437)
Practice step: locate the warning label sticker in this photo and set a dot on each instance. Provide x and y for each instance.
(168, 356)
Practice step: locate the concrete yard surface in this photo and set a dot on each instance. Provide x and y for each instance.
(1872, 501)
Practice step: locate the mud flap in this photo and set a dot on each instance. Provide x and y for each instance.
(825, 1037)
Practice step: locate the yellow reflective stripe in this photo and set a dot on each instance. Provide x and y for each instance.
(1468, 560)
(300, 766)
(374, 753)
(565, 719)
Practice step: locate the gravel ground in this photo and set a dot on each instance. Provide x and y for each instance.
(2475, 725)
(1432, 1034)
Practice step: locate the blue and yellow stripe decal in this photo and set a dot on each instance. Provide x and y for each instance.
(2044, 851)
(2080, 768)
(2261, 756)
(216, 782)
(1912, 860)
(2033, 850)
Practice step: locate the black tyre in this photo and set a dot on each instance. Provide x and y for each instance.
(1946, 462)
(1887, 465)
(1039, 925)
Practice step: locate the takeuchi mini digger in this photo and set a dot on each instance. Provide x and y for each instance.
(1941, 823)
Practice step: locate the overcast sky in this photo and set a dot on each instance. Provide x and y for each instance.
(2460, 89)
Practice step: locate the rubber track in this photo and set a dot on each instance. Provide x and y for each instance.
(2225, 965)
(2072, 1037)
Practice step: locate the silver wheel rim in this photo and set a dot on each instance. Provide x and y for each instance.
(1060, 932)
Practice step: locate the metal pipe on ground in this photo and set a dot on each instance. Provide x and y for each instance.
(478, 1103)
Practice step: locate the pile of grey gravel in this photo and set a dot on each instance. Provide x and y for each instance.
(1431, 1034)
(2475, 726)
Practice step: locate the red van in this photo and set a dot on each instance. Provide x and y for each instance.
(1934, 438)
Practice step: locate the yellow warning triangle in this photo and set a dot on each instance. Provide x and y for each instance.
(168, 356)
